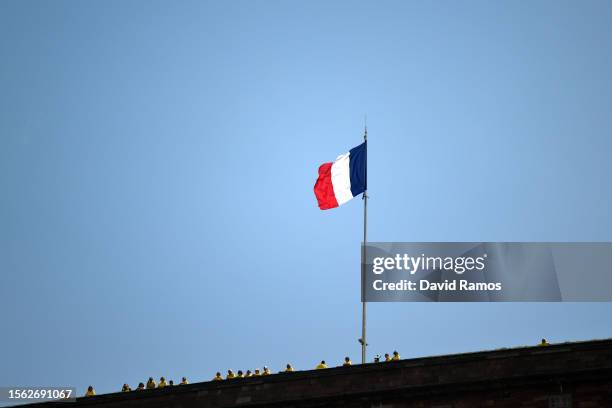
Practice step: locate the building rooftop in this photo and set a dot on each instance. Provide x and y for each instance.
(566, 370)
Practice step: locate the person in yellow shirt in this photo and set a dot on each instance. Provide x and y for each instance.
(141, 387)
(230, 375)
(126, 388)
(151, 383)
(396, 356)
(248, 374)
(257, 373)
(289, 369)
(90, 392)
(387, 358)
(321, 365)
(240, 374)
(162, 382)
(266, 371)
(184, 381)
(347, 362)
(544, 343)
(217, 377)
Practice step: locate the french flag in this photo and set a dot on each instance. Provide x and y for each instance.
(343, 179)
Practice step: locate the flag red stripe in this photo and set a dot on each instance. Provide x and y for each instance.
(324, 190)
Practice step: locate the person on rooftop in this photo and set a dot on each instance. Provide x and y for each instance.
(184, 381)
(162, 382)
(230, 375)
(90, 392)
(396, 356)
(347, 362)
(171, 383)
(257, 373)
(248, 374)
(240, 374)
(218, 377)
(387, 357)
(266, 371)
(544, 343)
(126, 388)
(321, 365)
(151, 383)
(289, 369)
(377, 358)
(141, 387)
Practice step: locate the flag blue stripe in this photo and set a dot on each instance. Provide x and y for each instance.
(358, 168)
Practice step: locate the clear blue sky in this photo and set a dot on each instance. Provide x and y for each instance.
(157, 161)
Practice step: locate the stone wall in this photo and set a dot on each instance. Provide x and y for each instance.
(560, 376)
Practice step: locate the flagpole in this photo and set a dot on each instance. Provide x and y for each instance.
(363, 260)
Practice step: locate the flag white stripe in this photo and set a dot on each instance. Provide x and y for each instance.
(341, 178)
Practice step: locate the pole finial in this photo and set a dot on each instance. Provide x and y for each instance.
(365, 127)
